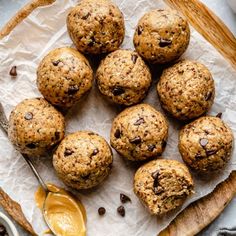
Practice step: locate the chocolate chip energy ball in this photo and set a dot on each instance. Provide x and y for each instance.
(96, 27)
(64, 76)
(161, 36)
(123, 77)
(162, 185)
(186, 90)
(83, 160)
(35, 127)
(139, 133)
(206, 144)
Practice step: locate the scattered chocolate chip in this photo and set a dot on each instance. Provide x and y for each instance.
(124, 198)
(55, 63)
(28, 116)
(73, 89)
(163, 144)
(68, 152)
(139, 121)
(151, 147)
(219, 115)
(155, 174)
(57, 135)
(86, 16)
(13, 71)
(117, 133)
(139, 30)
(95, 152)
(208, 96)
(136, 140)
(101, 211)
(203, 142)
(118, 91)
(198, 156)
(164, 42)
(134, 58)
(86, 176)
(121, 211)
(91, 133)
(211, 152)
(31, 145)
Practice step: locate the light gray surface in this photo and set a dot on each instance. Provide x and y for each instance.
(227, 219)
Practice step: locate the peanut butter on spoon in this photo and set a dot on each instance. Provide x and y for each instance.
(65, 215)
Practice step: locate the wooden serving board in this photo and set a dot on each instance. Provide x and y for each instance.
(197, 215)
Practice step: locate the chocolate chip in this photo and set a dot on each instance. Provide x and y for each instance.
(86, 16)
(211, 152)
(219, 115)
(136, 140)
(121, 211)
(151, 147)
(57, 135)
(118, 91)
(101, 211)
(28, 116)
(91, 133)
(55, 63)
(117, 133)
(163, 144)
(95, 152)
(208, 96)
(155, 174)
(13, 71)
(139, 121)
(134, 58)
(198, 156)
(124, 198)
(73, 89)
(92, 42)
(68, 152)
(164, 42)
(203, 142)
(86, 176)
(139, 30)
(31, 145)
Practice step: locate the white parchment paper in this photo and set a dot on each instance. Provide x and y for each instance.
(45, 30)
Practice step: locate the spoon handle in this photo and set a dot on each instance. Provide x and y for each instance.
(4, 125)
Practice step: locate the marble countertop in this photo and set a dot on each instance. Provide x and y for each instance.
(227, 219)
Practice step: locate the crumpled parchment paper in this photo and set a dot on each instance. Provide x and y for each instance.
(45, 30)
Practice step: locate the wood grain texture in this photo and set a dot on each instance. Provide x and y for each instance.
(209, 26)
(201, 213)
(22, 14)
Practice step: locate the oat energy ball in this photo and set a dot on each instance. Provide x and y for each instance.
(161, 36)
(35, 127)
(162, 185)
(206, 144)
(64, 76)
(186, 90)
(139, 133)
(96, 27)
(123, 77)
(83, 160)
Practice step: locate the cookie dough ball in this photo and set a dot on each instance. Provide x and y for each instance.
(96, 26)
(123, 77)
(161, 36)
(186, 90)
(83, 160)
(139, 133)
(206, 144)
(64, 76)
(162, 185)
(35, 127)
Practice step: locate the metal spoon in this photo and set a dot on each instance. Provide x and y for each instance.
(4, 126)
